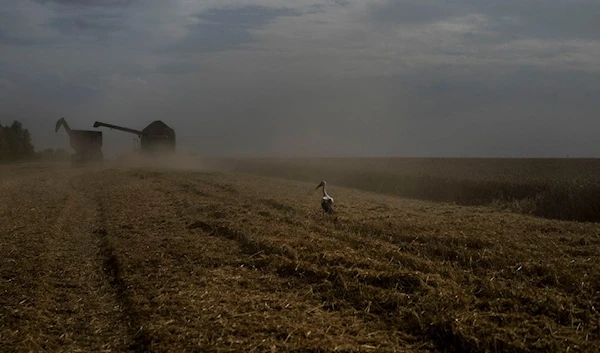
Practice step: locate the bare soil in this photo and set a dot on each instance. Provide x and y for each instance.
(150, 260)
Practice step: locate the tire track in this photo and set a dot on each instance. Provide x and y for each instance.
(71, 306)
(140, 340)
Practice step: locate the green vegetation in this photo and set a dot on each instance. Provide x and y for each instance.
(15, 143)
(565, 189)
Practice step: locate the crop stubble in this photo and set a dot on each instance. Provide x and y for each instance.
(150, 260)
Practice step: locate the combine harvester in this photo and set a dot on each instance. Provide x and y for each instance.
(155, 138)
(86, 143)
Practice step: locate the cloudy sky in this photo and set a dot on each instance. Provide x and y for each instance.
(509, 78)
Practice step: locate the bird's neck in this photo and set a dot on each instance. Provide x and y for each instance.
(324, 192)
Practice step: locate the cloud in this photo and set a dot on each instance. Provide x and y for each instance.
(513, 18)
(23, 22)
(222, 29)
(310, 77)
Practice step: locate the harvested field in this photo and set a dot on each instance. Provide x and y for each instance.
(149, 260)
(564, 189)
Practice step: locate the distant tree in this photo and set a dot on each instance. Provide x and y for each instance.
(23, 146)
(15, 143)
(4, 145)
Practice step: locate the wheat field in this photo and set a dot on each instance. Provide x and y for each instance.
(235, 258)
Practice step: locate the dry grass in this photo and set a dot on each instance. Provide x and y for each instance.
(183, 261)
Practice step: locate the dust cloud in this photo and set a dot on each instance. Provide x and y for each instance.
(160, 160)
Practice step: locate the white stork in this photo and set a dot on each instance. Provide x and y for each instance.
(327, 201)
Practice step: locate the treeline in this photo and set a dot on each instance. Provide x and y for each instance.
(16, 146)
(15, 143)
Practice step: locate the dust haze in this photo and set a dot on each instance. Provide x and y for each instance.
(140, 246)
(165, 161)
(309, 78)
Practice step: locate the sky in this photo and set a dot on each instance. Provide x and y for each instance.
(467, 78)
